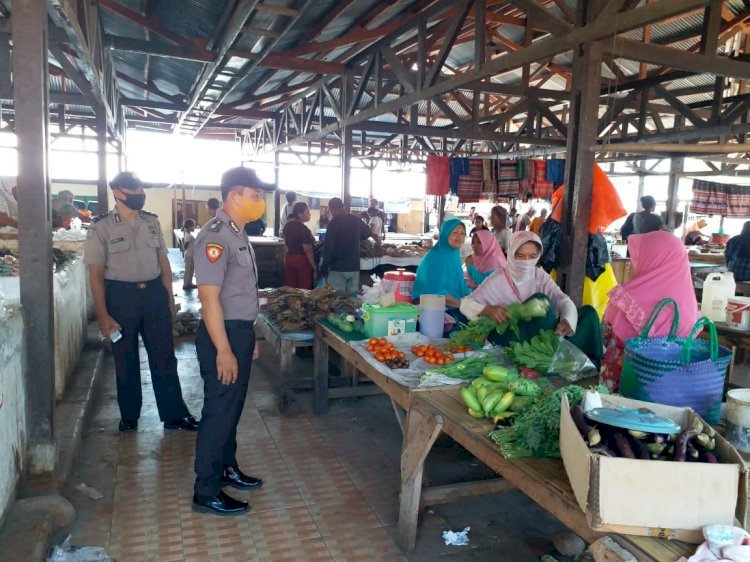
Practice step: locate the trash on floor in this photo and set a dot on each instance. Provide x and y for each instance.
(457, 538)
(89, 491)
(67, 553)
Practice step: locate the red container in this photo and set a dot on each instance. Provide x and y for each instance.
(401, 282)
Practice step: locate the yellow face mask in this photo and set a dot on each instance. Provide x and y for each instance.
(249, 210)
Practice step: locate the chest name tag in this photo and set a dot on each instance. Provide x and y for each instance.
(152, 230)
(116, 240)
(243, 248)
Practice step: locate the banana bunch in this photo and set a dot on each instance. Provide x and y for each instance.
(498, 394)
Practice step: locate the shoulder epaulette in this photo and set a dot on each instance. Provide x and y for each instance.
(99, 217)
(215, 226)
(149, 214)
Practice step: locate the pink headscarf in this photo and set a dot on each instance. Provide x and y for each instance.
(492, 256)
(660, 269)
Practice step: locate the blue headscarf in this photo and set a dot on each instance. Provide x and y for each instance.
(440, 272)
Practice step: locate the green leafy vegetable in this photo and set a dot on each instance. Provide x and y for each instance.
(535, 432)
(536, 354)
(476, 331)
(468, 369)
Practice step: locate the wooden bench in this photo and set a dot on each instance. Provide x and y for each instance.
(285, 343)
(441, 410)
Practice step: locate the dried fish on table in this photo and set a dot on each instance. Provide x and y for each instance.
(299, 309)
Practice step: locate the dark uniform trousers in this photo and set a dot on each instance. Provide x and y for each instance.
(143, 308)
(216, 444)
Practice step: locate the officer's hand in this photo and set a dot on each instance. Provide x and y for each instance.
(226, 367)
(107, 325)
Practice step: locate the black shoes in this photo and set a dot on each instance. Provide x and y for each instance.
(127, 426)
(188, 423)
(235, 478)
(221, 504)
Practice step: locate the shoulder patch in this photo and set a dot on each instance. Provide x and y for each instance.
(214, 251)
(215, 226)
(148, 214)
(99, 217)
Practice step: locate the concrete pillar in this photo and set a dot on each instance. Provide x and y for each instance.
(102, 190)
(276, 196)
(30, 96)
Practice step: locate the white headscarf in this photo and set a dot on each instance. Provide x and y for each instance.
(522, 272)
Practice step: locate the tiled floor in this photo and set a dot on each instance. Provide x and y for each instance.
(330, 486)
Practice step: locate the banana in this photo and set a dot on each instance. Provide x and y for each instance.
(491, 400)
(502, 416)
(475, 414)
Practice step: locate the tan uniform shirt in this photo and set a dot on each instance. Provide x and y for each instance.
(129, 251)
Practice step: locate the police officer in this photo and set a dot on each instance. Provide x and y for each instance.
(227, 278)
(131, 282)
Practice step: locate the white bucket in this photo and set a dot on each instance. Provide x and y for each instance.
(738, 312)
(738, 419)
(432, 301)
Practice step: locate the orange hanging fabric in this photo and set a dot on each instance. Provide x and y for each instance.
(606, 206)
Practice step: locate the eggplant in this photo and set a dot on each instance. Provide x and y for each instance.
(680, 446)
(623, 446)
(588, 432)
(692, 453)
(709, 458)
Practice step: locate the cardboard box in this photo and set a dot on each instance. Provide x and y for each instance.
(653, 498)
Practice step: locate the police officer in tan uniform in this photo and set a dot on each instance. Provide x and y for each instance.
(227, 277)
(131, 281)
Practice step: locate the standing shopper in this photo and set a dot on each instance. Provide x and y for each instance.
(227, 276)
(131, 282)
(212, 206)
(299, 261)
(286, 210)
(341, 248)
(188, 245)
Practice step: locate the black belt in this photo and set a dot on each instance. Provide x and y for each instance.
(133, 284)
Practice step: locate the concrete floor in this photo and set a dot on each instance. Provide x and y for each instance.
(330, 489)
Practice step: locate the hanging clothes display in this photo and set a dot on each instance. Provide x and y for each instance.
(459, 167)
(543, 187)
(556, 171)
(437, 175)
(727, 200)
(470, 186)
(525, 178)
(507, 178)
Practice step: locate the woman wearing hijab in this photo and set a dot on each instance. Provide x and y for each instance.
(440, 271)
(660, 269)
(738, 254)
(487, 257)
(299, 262)
(520, 280)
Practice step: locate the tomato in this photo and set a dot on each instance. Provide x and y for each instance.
(379, 357)
(419, 353)
(422, 348)
(401, 354)
(449, 357)
(382, 341)
(440, 361)
(429, 360)
(372, 341)
(370, 347)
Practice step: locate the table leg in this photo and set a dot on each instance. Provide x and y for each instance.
(286, 350)
(400, 414)
(421, 432)
(320, 374)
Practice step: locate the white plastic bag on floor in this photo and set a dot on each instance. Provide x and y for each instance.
(67, 553)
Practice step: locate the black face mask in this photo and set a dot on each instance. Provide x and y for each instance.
(134, 202)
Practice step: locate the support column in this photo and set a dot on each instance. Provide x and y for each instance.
(276, 195)
(346, 168)
(30, 96)
(677, 165)
(579, 166)
(102, 192)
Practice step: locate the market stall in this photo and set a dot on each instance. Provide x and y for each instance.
(70, 301)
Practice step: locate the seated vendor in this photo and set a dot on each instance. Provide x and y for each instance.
(440, 271)
(486, 259)
(738, 254)
(519, 281)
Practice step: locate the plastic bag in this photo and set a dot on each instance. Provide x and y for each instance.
(67, 553)
(571, 363)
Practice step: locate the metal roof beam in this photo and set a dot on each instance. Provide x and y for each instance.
(542, 49)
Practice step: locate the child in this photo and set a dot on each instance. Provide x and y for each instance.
(188, 242)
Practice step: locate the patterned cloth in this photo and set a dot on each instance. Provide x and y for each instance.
(507, 178)
(438, 175)
(459, 167)
(542, 186)
(728, 200)
(470, 186)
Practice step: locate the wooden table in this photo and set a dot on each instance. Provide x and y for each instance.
(286, 343)
(441, 410)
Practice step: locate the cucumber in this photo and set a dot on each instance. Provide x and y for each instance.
(346, 327)
(504, 403)
(492, 399)
(470, 399)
